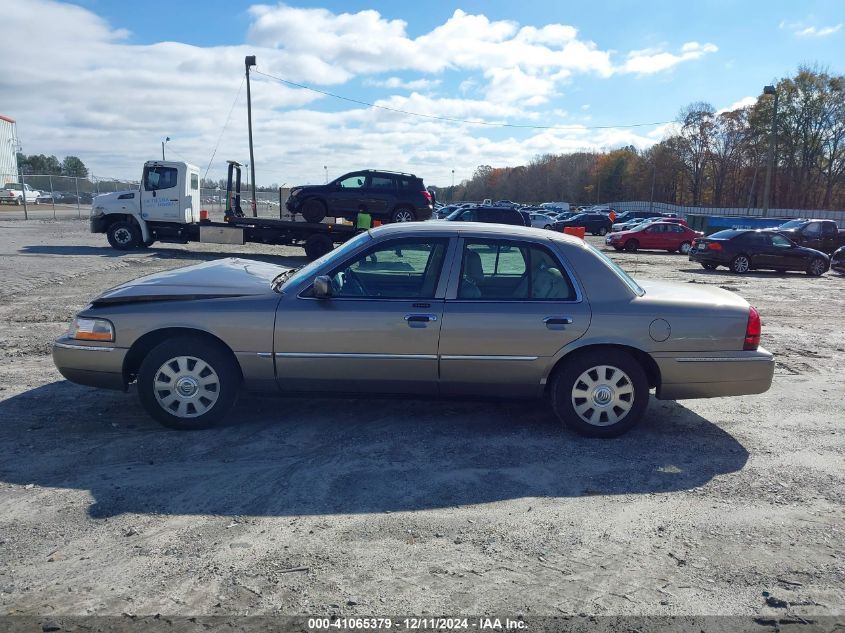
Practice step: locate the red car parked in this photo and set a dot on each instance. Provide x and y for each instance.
(663, 236)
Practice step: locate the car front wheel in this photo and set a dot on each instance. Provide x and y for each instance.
(631, 246)
(602, 231)
(685, 248)
(816, 267)
(188, 383)
(600, 394)
(313, 210)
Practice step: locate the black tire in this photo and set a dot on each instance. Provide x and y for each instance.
(686, 251)
(631, 246)
(214, 356)
(317, 245)
(548, 227)
(403, 214)
(18, 202)
(741, 264)
(628, 378)
(603, 231)
(123, 235)
(313, 210)
(709, 266)
(817, 267)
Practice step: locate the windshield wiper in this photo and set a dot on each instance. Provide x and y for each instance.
(281, 278)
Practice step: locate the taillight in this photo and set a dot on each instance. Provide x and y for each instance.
(752, 330)
(714, 246)
(426, 194)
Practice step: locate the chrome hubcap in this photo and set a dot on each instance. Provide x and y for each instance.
(741, 265)
(186, 386)
(603, 395)
(404, 216)
(122, 236)
(818, 267)
(685, 248)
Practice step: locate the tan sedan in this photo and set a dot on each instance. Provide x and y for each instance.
(425, 309)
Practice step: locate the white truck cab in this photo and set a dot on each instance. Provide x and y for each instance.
(168, 196)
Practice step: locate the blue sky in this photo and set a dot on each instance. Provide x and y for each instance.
(155, 68)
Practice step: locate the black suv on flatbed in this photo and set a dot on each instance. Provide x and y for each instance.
(386, 195)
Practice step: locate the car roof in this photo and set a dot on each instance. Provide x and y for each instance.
(480, 228)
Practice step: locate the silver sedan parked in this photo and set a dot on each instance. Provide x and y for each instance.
(425, 309)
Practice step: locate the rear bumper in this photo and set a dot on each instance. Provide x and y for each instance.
(709, 257)
(91, 365)
(714, 374)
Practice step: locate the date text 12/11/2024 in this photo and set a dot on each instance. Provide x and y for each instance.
(415, 624)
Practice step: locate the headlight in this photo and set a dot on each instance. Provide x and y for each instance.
(98, 211)
(84, 329)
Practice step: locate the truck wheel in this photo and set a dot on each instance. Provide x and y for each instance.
(17, 202)
(317, 245)
(403, 214)
(600, 394)
(124, 236)
(313, 210)
(188, 383)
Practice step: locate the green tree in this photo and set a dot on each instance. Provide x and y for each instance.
(73, 166)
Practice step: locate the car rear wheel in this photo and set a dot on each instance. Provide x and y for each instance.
(188, 383)
(631, 246)
(602, 231)
(548, 227)
(816, 267)
(685, 247)
(709, 266)
(317, 245)
(600, 394)
(403, 215)
(740, 264)
(313, 210)
(124, 236)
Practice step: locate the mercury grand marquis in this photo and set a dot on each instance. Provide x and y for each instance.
(427, 309)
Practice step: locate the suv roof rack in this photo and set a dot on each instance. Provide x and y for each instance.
(387, 171)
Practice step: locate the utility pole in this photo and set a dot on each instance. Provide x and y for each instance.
(767, 187)
(249, 60)
(653, 178)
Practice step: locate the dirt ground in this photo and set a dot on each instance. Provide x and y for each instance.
(302, 506)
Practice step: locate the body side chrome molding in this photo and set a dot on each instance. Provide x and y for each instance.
(726, 359)
(87, 348)
(356, 355)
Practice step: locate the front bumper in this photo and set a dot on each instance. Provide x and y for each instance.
(713, 374)
(93, 365)
(98, 223)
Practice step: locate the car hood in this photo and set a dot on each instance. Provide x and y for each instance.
(231, 277)
(113, 195)
(692, 295)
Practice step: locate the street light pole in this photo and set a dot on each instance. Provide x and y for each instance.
(166, 138)
(452, 192)
(767, 187)
(326, 169)
(249, 60)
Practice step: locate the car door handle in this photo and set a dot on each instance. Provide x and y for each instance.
(557, 320)
(420, 318)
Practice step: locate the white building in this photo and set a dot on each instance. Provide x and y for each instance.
(8, 147)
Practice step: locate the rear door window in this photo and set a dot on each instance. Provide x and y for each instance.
(507, 270)
(383, 183)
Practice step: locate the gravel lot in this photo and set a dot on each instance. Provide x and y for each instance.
(300, 506)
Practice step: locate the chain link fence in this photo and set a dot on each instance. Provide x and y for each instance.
(49, 196)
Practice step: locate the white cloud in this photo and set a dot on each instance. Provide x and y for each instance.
(804, 28)
(736, 105)
(396, 82)
(88, 91)
(812, 31)
(649, 61)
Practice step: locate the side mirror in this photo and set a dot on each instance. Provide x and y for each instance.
(322, 287)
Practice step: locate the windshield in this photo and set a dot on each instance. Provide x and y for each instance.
(792, 224)
(340, 251)
(578, 216)
(633, 285)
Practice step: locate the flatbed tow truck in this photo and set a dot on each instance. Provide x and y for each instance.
(166, 208)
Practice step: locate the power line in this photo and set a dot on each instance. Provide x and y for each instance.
(225, 125)
(456, 120)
